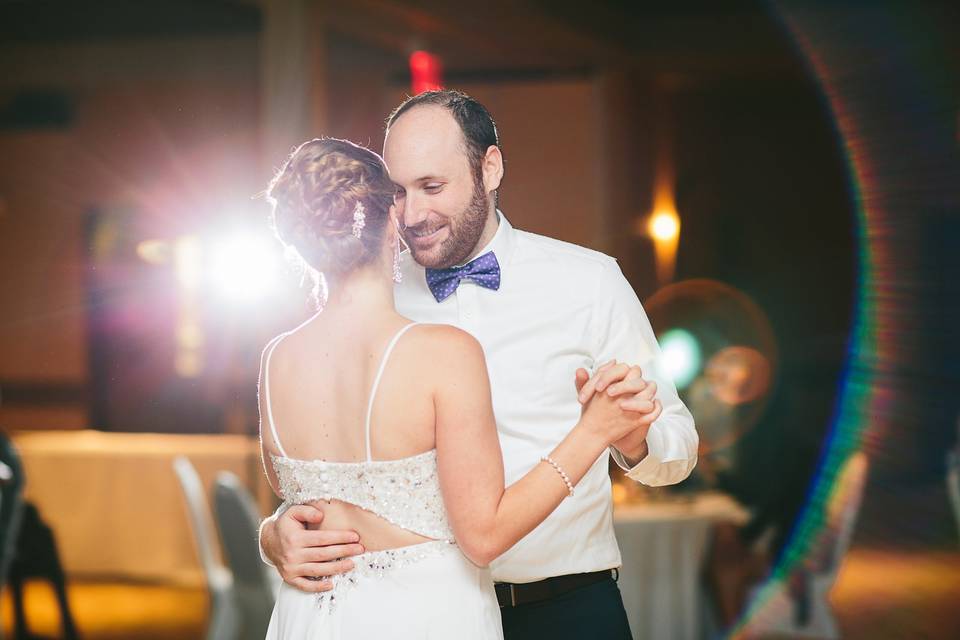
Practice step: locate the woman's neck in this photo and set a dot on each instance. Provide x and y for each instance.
(364, 293)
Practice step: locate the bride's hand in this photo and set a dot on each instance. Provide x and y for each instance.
(586, 385)
(603, 414)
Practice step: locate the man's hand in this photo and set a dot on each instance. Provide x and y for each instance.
(304, 557)
(639, 395)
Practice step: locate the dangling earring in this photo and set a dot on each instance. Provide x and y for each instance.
(397, 276)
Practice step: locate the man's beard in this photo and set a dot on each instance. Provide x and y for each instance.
(465, 232)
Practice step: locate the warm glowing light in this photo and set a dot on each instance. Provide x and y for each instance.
(680, 356)
(188, 266)
(154, 251)
(664, 226)
(243, 267)
(187, 258)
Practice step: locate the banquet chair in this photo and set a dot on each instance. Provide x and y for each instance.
(28, 547)
(11, 506)
(11, 503)
(798, 606)
(255, 586)
(953, 483)
(224, 619)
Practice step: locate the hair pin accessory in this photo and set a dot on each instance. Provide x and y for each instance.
(359, 219)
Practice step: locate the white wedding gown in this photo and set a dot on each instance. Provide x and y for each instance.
(429, 590)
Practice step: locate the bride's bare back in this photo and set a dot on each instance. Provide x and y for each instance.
(316, 387)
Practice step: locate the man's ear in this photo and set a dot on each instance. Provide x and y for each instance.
(492, 168)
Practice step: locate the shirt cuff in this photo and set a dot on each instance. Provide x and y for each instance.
(645, 470)
(272, 518)
(655, 470)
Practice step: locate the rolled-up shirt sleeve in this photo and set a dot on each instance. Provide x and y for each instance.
(623, 331)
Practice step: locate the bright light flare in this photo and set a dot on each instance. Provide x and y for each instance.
(738, 375)
(664, 226)
(187, 262)
(680, 356)
(243, 267)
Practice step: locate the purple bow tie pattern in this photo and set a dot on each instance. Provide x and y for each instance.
(484, 270)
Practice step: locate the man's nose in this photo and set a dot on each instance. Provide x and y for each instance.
(414, 211)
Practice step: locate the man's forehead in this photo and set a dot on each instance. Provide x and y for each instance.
(422, 125)
(425, 135)
(424, 114)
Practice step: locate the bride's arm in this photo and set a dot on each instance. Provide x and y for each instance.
(487, 519)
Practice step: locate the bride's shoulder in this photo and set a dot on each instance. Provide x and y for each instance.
(443, 342)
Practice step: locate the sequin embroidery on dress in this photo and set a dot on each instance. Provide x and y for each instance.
(404, 492)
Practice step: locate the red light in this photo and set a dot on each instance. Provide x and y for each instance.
(425, 72)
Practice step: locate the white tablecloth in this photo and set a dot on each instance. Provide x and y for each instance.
(114, 502)
(663, 544)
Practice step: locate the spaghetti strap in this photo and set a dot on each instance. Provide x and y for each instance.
(266, 391)
(376, 382)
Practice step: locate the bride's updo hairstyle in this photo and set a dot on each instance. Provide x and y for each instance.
(314, 197)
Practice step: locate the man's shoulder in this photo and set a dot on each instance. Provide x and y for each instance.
(567, 253)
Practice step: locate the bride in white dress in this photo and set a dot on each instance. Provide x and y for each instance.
(387, 426)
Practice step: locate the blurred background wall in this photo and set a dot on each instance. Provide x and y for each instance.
(169, 118)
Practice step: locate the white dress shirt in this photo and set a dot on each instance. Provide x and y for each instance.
(559, 307)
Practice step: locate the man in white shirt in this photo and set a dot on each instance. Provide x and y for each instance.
(542, 309)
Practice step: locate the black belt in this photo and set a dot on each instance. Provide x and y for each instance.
(512, 595)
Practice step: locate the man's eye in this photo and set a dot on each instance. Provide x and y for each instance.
(399, 194)
(433, 188)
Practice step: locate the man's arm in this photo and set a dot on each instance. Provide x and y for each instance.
(665, 450)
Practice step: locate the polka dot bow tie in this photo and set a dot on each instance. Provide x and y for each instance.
(485, 271)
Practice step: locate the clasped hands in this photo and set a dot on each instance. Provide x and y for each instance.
(620, 380)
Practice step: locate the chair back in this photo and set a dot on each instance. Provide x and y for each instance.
(255, 585)
(11, 503)
(224, 620)
(843, 510)
(199, 514)
(781, 614)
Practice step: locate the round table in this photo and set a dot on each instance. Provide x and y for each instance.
(114, 503)
(663, 544)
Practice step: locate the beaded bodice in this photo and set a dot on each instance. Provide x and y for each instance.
(404, 492)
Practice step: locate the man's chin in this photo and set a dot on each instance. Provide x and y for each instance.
(429, 258)
(440, 255)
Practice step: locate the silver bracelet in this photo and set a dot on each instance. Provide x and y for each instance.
(566, 478)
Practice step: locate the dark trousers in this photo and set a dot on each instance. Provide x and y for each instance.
(594, 612)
